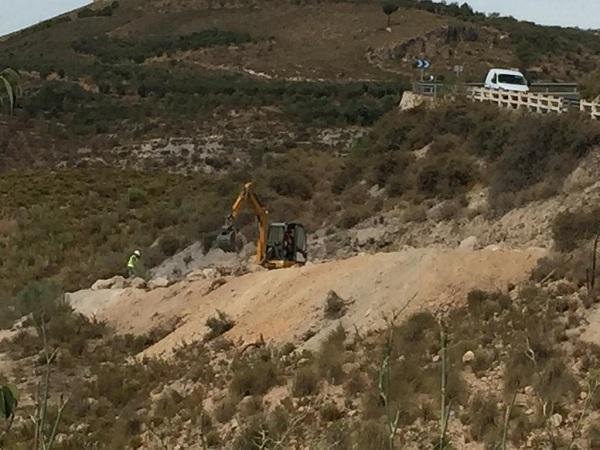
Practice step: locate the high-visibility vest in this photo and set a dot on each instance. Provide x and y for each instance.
(133, 259)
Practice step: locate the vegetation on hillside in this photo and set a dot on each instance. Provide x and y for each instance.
(335, 396)
(110, 51)
(520, 157)
(531, 42)
(79, 225)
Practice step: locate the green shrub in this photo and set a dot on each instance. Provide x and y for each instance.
(169, 245)
(485, 419)
(225, 409)
(572, 227)
(305, 382)
(331, 356)
(219, 324)
(136, 198)
(254, 375)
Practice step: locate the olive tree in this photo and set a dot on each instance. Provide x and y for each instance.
(389, 8)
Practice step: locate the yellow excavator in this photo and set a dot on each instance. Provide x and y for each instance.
(280, 245)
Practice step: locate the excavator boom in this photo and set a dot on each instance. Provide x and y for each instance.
(247, 195)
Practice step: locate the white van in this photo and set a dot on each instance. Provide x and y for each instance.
(506, 80)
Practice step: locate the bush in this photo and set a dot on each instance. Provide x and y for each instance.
(570, 228)
(331, 356)
(593, 436)
(218, 325)
(225, 409)
(169, 245)
(40, 297)
(330, 412)
(485, 420)
(290, 183)
(335, 306)
(254, 375)
(305, 382)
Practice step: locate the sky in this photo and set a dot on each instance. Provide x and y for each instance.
(582, 13)
(23, 13)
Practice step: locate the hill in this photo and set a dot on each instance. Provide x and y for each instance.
(137, 126)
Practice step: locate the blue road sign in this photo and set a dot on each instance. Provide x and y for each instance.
(423, 64)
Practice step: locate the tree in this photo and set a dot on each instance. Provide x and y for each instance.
(389, 8)
(590, 85)
(10, 88)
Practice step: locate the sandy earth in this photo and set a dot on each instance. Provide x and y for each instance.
(592, 331)
(286, 305)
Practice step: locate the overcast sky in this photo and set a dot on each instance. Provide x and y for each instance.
(22, 13)
(582, 13)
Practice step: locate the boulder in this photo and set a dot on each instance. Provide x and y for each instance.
(469, 243)
(529, 390)
(410, 100)
(468, 357)
(556, 420)
(137, 283)
(160, 282)
(210, 273)
(116, 282)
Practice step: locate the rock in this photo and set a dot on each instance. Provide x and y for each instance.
(529, 390)
(573, 333)
(435, 358)
(375, 191)
(210, 273)
(493, 248)
(583, 395)
(160, 282)
(556, 420)
(469, 243)
(20, 323)
(422, 153)
(116, 282)
(410, 100)
(137, 283)
(468, 357)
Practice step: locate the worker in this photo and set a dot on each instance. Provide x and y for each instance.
(288, 243)
(133, 264)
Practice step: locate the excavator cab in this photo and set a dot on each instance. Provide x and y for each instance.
(286, 244)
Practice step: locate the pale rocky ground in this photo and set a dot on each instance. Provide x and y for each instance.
(437, 262)
(288, 305)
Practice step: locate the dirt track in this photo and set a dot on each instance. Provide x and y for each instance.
(284, 305)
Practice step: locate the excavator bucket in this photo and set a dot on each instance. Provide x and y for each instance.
(226, 240)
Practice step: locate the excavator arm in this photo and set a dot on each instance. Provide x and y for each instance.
(247, 195)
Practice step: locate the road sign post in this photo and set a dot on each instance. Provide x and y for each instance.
(423, 65)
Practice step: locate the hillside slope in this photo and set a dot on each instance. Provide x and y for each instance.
(288, 305)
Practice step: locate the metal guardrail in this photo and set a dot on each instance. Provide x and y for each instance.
(569, 90)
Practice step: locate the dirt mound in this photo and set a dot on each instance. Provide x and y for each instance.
(287, 305)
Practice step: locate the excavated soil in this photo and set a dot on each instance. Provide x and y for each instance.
(288, 305)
